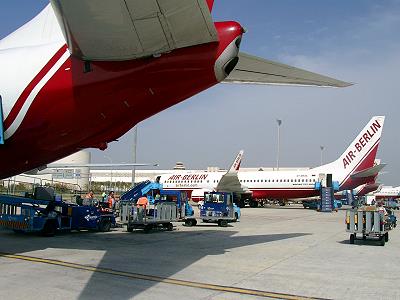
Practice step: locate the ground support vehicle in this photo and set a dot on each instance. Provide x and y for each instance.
(218, 207)
(392, 204)
(367, 222)
(185, 210)
(161, 214)
(26, 215)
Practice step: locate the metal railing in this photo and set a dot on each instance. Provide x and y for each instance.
(14, 187)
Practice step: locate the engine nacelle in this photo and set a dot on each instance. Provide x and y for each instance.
(230, 37)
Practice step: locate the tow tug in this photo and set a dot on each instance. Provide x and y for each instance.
(218, 207)
(50, 214)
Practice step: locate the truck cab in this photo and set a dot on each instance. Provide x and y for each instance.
(218, 207)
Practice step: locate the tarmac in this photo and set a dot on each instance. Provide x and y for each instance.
(272, 253)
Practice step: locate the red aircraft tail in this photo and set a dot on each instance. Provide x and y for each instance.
(210, 4)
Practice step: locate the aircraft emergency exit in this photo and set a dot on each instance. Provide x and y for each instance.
(353, 168)
(84, 72)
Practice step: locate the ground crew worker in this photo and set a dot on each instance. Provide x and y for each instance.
(142, 202)
(382, 208)
(88, 198)
(111, 200)
(89, 195)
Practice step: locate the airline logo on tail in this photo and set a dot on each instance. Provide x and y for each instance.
(366, 140)
(236, 163)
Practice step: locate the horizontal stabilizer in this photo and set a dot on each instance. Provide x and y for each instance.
(370, 172)
(255, 70)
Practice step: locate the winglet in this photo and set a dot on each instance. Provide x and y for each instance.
(236, 163)
(210, 4)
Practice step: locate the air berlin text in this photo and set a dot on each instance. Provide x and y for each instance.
(361, 143)
(188, 177)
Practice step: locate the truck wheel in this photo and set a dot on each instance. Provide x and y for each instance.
(49, 228)
(352, 238)
(382, 240)
(241, 203)
(129, 229)
(147, 228)
(387, 237)
(222, 223)
(170, 227)
(194, 222)
(188, 223)
(105, 225)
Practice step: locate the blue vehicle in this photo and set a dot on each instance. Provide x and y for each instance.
(185, 210)
(27, 215)
(218, 207)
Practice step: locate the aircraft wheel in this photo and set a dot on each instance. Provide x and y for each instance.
(253, 204)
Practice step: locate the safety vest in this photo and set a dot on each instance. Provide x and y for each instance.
(142, 202)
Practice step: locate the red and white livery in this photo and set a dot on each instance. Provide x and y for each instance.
(84, 72)
(353, 168)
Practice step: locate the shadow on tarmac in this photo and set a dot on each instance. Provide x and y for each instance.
(159, 253)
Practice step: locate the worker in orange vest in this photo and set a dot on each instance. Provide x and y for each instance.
(142, 202)
(111, 200)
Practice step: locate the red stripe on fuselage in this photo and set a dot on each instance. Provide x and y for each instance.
(25, 94)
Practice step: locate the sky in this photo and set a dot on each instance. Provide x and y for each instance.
(356, 41)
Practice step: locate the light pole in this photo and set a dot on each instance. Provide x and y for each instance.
(111, 174)
(322, 150)
(134, 154)
(279, 142)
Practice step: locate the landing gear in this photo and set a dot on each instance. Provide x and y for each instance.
(253, 203)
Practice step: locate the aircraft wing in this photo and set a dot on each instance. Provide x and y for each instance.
(230, 181)
(255, 70)
(115, 30)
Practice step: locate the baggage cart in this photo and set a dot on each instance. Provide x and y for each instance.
(367, 222)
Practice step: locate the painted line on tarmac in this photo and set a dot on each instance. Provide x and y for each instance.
(193, 284)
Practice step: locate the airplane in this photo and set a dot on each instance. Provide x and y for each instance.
(353, 168)
(387, 192)
(116, 63)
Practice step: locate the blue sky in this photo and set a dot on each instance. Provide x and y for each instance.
(356, 40)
